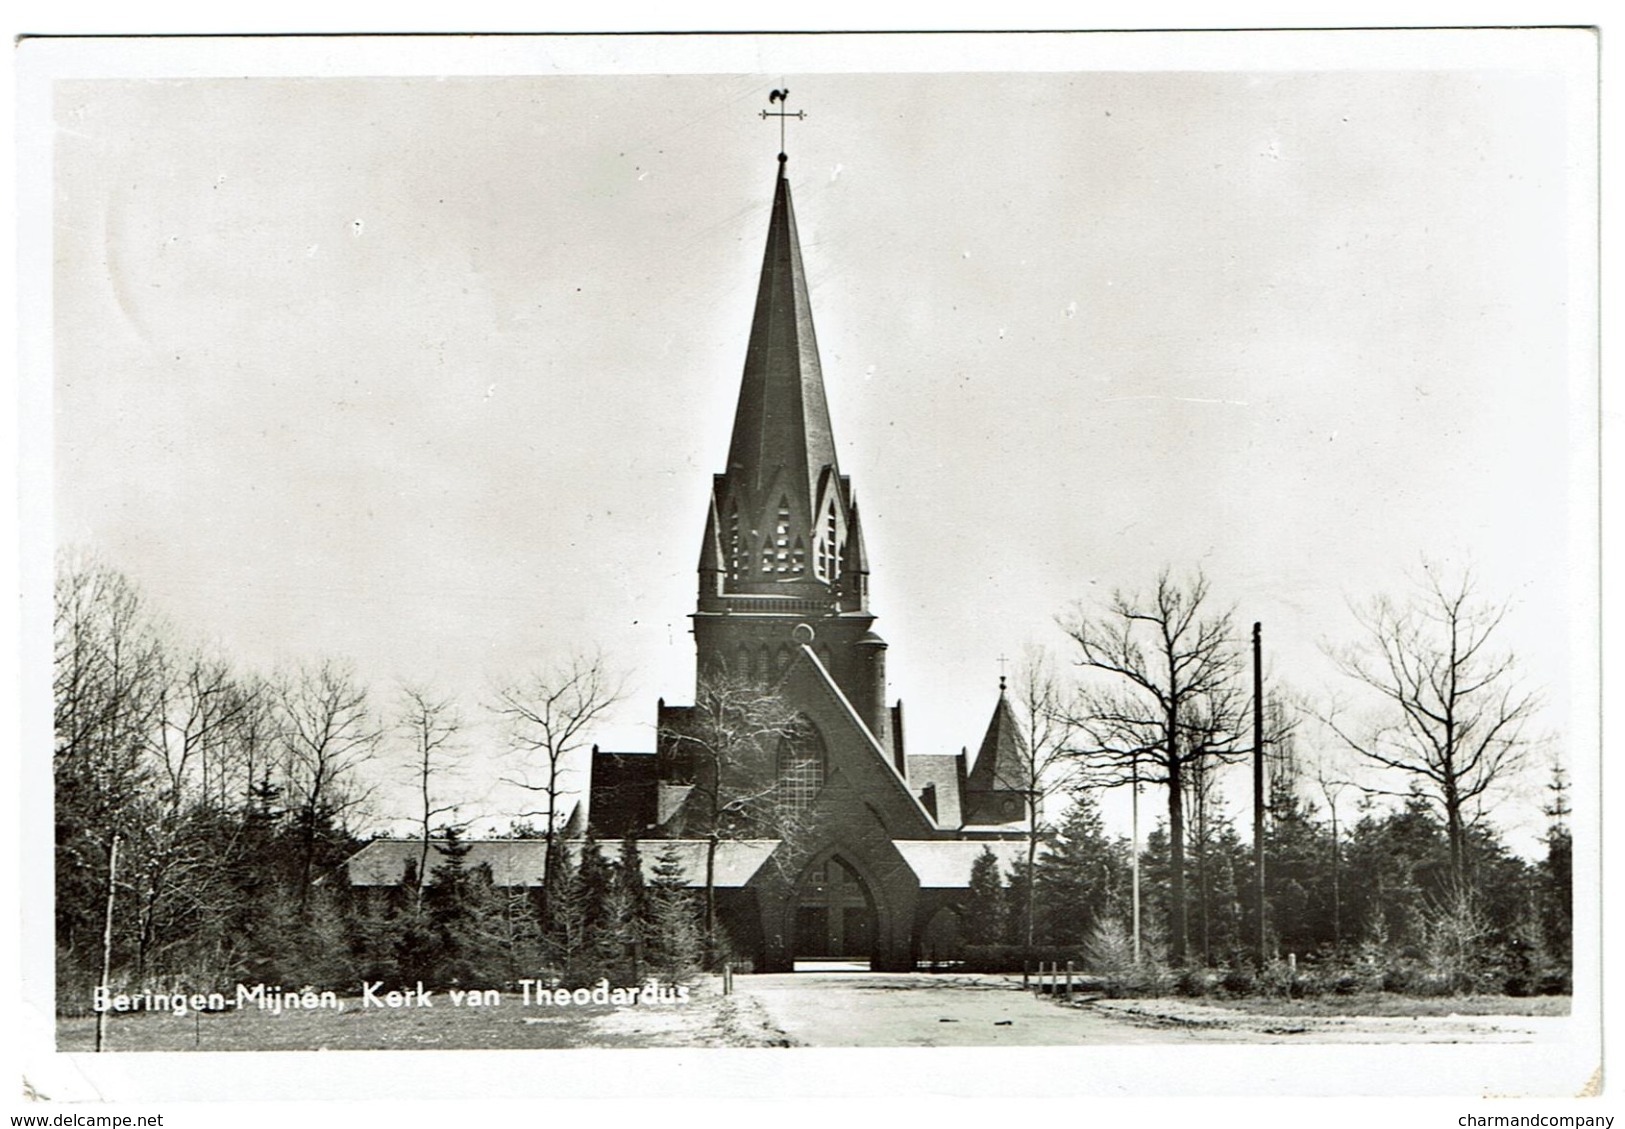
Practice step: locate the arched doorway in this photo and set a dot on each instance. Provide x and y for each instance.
(834, 915)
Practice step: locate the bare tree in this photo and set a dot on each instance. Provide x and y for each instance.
(431, 724)
(254, 743)
(1050, 765)
(745, 758)
(201, 706)
(107, 685)
(1161, 697)
(179, 885)
(1454, 715)
(328, 733)
(1332, 785)
(548, 714)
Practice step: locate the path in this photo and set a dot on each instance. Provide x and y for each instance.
(864, 1009)
(918, 1009)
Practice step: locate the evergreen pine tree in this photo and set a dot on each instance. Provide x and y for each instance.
(675, 944)
(1556, 885)
(596, 876)
(986, 904)
(1083, 874)
(566, 939)
(629, 873)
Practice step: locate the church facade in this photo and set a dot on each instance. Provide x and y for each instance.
(841, 843)
(787, 785)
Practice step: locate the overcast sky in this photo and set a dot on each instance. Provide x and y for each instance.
(432, 373)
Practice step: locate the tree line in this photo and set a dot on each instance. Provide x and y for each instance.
(203, 814)
(1416, 889)
(1364, 901)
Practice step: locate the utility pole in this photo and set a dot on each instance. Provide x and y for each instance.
(1258, 787)
(1134, 858)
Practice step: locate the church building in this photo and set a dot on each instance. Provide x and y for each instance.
(832, 839)
(875, 843)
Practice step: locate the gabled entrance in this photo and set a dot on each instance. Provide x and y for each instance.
(835, 917)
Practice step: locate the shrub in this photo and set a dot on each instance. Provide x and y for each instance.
(1345, 982)
(1013, 958)
(1196, 982)
(1238, 980)
(1109, 953)
(1276, 979)
(1455, 944)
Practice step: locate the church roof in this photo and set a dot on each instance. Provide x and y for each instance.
(782, 418)
(711, 558)
(1002, 761)
(857, 557)
(945, 864)
(805, 654)
(940, 864)
(523, 862)
(943, 773)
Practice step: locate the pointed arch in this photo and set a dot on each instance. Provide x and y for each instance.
(837, 904)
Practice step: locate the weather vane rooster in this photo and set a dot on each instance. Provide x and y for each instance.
(780, 98)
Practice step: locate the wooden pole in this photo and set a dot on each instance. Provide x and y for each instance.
(107, 942)
(1258, 787)
(1068, 981)
(1134, 858)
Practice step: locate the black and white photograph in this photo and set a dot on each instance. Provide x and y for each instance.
(1057, 554)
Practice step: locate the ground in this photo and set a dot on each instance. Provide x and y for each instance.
(841, 1009)
(706, 1019)
(922, 1009)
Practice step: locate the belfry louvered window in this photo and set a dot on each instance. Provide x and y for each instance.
(736, 561)
(776, 549)
(826, 558)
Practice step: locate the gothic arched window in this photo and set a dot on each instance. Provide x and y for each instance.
(801, 766)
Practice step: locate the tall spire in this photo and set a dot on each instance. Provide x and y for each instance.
(782, 545)
(782, 421)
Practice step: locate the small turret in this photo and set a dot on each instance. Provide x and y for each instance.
(996, 788)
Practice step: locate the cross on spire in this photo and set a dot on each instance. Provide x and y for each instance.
(781, 98)
(1002, 661)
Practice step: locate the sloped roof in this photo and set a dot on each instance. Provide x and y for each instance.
(826, 680)
(943, 771)
(782, 412)
(945, 864)
(523, 862)
(1002, 761)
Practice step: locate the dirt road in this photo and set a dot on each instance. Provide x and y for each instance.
(822, 1009)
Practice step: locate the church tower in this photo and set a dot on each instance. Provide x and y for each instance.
(783, 543)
